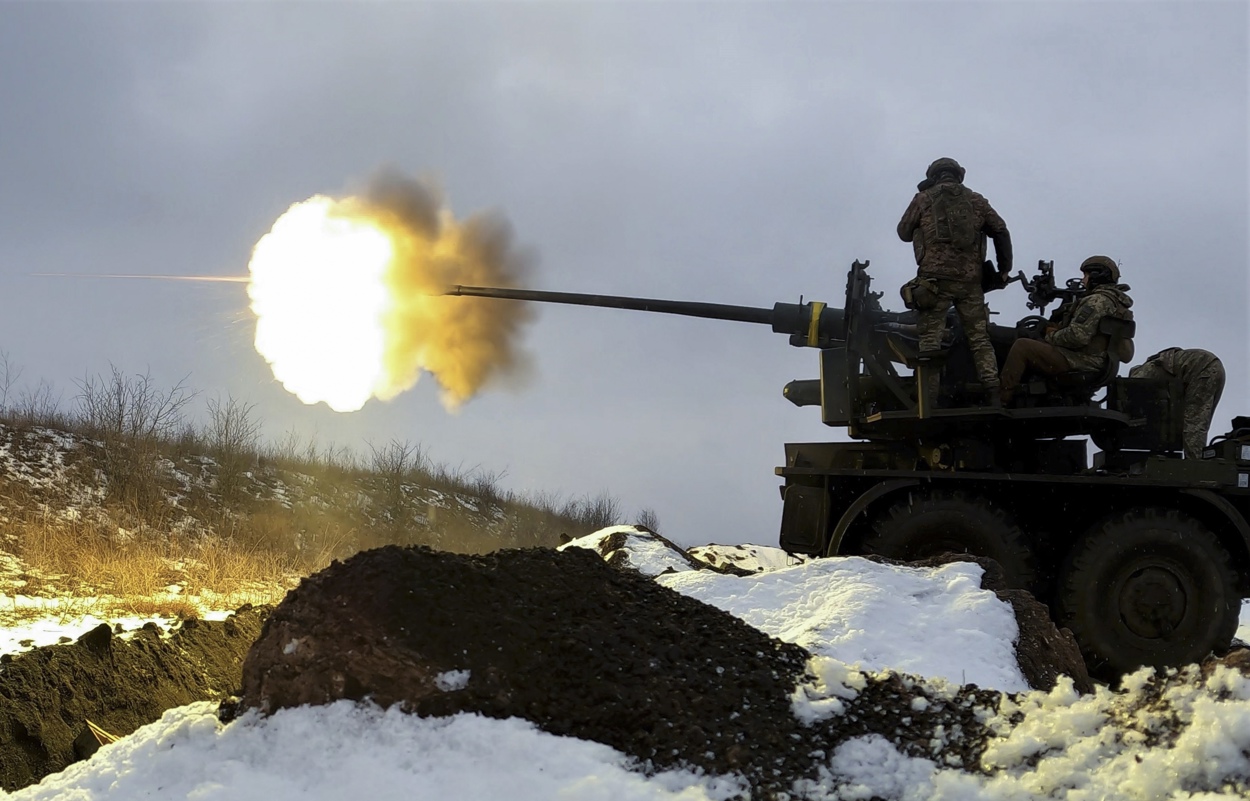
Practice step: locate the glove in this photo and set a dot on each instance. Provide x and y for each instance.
(991, 279)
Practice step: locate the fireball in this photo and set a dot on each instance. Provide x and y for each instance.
(348, 305)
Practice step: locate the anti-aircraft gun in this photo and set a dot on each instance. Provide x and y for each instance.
(1144, 555)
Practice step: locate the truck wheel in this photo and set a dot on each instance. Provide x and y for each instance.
(927, 525)
(1148, 587)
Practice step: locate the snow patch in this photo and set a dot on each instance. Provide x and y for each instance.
(452, 680)
(831, 683)
(641, 551)
(935, 622)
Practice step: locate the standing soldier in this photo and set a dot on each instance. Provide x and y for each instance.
(947, 224)
(1202, 374)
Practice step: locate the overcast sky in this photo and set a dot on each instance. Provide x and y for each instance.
(736, 153)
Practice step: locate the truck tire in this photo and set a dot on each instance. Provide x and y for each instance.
(954, 522)
(1148, 587)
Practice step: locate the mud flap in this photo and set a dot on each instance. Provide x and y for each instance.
(804, 519)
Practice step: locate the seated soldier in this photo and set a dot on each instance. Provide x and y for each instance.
(1073, 344)
(1201, 373)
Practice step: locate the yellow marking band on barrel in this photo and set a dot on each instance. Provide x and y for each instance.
(813, 329)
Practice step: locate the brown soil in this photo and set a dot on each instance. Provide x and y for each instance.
(48, 694)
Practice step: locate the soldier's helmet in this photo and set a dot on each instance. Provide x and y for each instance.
(1101, 270)
(945, 165)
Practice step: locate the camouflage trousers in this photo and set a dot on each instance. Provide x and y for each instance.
(1201, 396)
(969, 302)
(1030, 356)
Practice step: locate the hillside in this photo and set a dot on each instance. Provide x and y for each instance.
(179, 525)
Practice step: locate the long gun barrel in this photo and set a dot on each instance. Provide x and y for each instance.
(808, 324)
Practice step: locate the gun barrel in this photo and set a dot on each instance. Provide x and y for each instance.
(714, 311)
(812, 325)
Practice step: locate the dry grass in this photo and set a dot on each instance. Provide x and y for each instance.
(223, 568)
(172, 607)
(130, 570)
(144, 574)
(61, 609)
(50, 550)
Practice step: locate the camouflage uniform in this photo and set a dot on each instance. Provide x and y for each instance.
(969, 303)
(1078, 339)
(947, 224)
(1076, 344)
(1202, 374)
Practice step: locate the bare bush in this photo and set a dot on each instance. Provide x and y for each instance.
(38, 406)
(398, 460)
(648, 519)
(189, 442)
(595, 513)
(546, 519)
(484, 484)
(130, 408)
(9, 373)
(394, 465)
(445, 477)
(332, 459)
(132, 418)
(232, 438)
(287, 449)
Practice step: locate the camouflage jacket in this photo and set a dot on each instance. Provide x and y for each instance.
(1182, 363)
(1079, 340)
(947, 225)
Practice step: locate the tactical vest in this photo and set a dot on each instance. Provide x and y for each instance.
(1099, 341)
(951, 219)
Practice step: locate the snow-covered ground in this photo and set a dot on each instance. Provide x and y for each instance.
(852, 614)
(62, 626)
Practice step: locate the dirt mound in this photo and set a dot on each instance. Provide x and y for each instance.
(558, 638)
(48, 694)
(581, 649)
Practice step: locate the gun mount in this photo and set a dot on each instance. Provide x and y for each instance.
(1144, 555)
(1043, 290)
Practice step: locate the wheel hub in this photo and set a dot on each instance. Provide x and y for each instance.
(1152, 602)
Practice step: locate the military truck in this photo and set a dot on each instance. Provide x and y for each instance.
(1144, 555)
